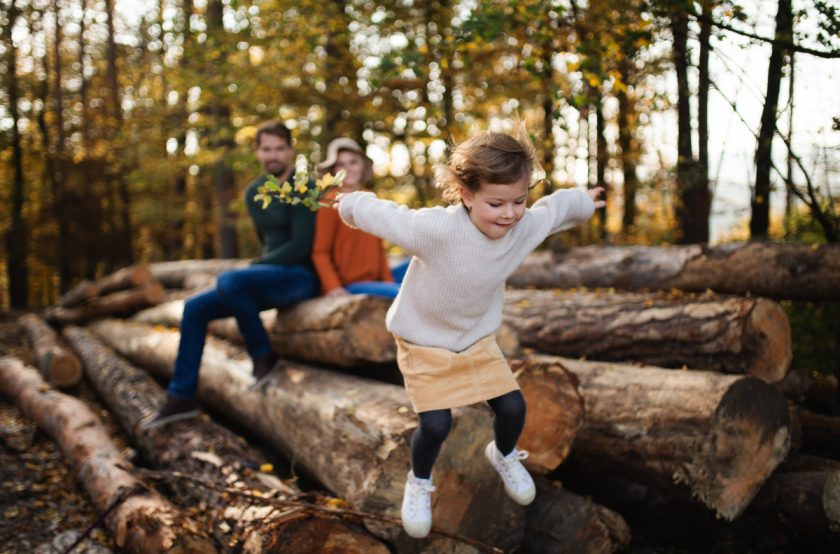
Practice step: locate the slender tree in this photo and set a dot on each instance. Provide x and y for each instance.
(760, 218)
(16, 236)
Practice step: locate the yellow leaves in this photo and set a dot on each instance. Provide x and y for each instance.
(329, 180)
(267, 468)
(337, 504)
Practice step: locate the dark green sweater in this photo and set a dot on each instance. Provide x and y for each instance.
(286, 231)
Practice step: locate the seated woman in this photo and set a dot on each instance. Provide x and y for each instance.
(347, 260)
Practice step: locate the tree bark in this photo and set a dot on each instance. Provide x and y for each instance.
(57, 365)
(16, 238)
(125, 278)
(717, 437)
(760, 217)
(83, 291)
(173, 274)
(364, 428)
(736, 335)
(144, 522)
(812, 390)
(820, 434)
(122, 302)
(774, 270)
(344, 331)
(207, 451)
(626, 127)
(560, 522)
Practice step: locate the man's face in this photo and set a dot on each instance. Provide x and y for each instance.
(274, 154)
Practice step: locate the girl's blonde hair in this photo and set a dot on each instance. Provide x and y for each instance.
(494, 158)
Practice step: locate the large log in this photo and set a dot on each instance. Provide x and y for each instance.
(122, 302)
(820, 433)
(58, 366)
(209, 452)
(813, 390)
(737, 335)
(172, 274)
(363, 429)
(144, 522)
(717, 437)
(82, 292)
(344, 331)
(774, 270)
(561, 522)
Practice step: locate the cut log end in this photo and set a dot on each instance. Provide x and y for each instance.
(64, 370)
(769, 329)
(748, 438)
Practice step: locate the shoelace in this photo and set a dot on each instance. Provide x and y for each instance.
(510, 466)
(418, 498)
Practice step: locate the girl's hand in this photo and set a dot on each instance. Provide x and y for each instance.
(594, 194)
(337, 291)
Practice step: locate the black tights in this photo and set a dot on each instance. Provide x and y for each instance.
(509, 412)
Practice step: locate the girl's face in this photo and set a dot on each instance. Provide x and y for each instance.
(354, 165)
(495, 209)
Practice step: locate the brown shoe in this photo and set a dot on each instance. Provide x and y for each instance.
(263, 366)
(174, 409)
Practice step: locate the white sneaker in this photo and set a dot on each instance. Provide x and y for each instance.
(417, 506)
(518, 482)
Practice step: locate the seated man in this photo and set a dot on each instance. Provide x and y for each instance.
(283, 275)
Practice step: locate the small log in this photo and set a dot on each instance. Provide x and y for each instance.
(813, 390)
(209, 452)
(808, 501)
(82, 292)
(717, 437)
(117, 303)
(143, 522)
(57, 365)
(363, 429)
(125, 278)
(560, 522)
(736, 335)
(172, 274)
(344, 331)
(773, 270)
(820, 434)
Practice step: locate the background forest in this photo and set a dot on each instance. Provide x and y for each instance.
(126, 127)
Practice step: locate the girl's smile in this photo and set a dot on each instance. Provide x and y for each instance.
(495, 209)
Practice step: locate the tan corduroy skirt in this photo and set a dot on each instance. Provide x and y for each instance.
(437, 378)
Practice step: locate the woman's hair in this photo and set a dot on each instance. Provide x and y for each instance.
(494, 158)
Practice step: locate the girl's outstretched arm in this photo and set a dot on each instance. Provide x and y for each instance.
(382, 218)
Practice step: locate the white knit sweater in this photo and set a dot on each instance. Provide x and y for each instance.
(453, 292)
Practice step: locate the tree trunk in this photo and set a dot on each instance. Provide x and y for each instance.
(344, 331)
(16, 236)
(692, 207)
(57, 365)
(207, 451)
(561, 522)
(601, 159)
(144, 522)
(123, 302)
(364, 428)
(626, 126)
(736, 335)
(83, 86)
(782, 271)
(718, 436)
(760, 218)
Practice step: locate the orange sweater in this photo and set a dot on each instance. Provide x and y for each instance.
(344, 255)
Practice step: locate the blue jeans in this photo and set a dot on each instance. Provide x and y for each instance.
(381, 288)
(241, 293)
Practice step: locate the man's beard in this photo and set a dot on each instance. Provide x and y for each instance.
(276, 172)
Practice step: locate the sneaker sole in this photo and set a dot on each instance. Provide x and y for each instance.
(155, 423)
(416, 532)
(521, 500)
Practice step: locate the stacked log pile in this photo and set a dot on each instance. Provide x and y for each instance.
(722, 435)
